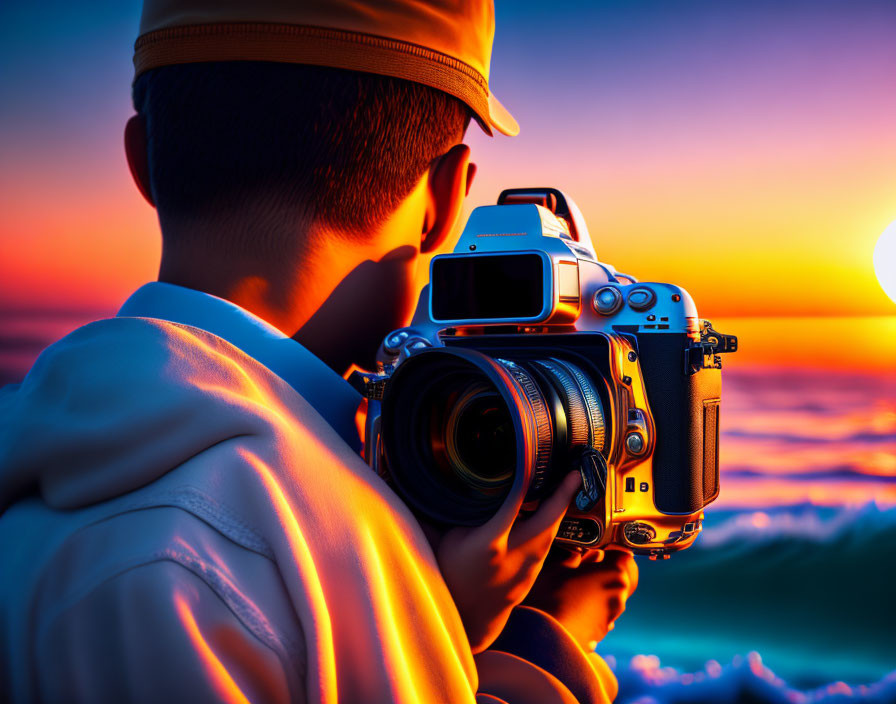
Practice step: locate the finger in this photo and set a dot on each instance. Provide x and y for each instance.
(543, 524)
(633, 574)
(500, 524)
(625, 562)
(563, 554)
(567, 558)
(619, 549)
(593, 556)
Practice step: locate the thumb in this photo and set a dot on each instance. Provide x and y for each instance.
(546, 520)
(500, 524)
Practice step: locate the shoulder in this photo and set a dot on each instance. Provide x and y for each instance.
(177, 549)
(159, 631)
(150, 603)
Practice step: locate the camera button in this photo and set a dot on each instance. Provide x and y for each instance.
(641, 299)
(607, 300)
(637, 533)
(395, 340)
(634, 443)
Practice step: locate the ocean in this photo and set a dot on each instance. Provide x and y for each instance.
(789, 595)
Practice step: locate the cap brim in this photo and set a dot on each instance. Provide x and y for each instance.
(320, 46)
(500, 118)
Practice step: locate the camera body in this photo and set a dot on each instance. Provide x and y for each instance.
(526, 358)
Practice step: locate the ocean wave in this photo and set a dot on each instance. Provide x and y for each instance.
(809, 587)
(807, 523)
(745, 679)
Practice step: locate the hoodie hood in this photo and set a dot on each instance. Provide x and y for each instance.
(290, 531)
(118, 403)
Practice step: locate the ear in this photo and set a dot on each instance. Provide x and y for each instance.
(450, 178)
(138, 161)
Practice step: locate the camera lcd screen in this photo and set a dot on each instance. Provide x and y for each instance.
(482, 287)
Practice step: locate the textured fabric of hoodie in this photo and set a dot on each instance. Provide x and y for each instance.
(178, 524)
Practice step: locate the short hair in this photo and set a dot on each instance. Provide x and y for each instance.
(340, 148)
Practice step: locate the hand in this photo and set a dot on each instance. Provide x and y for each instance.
(585, 593)
(489, 569)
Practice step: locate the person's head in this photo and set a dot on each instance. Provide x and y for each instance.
(245, 145)
(300, 170)
(256, 167)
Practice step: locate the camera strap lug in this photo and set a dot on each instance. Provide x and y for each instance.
(593, 468)
(370, 386)
(705, 354)
(720, 342)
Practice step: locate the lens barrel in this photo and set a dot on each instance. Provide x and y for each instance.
(461, 429)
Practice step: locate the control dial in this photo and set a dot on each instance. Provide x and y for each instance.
(641, 299)
(607, 300)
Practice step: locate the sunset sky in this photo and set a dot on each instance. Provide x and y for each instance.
(745, 150)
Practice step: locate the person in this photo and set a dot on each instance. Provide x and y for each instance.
(185, 513)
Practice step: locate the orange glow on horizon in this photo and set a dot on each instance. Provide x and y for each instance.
(762, 234)
(742, 241)
(75, 246)
(759, 180)
(857, 344)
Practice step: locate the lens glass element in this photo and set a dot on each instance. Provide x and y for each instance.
(479, 439)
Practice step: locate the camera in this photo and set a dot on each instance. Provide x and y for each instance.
(528, 358)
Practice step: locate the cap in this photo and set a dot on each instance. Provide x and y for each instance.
(441, 44)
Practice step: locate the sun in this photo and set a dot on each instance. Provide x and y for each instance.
(885, 260)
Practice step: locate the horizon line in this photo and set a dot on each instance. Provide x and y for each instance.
(18, 310)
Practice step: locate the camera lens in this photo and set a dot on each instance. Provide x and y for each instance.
(462, 429)
(479, 439)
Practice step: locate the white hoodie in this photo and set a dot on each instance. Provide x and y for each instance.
(178, 524)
